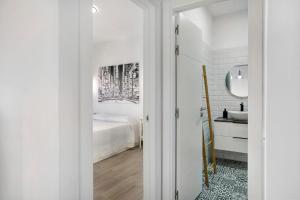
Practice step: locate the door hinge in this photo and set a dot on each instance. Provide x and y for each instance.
(177, 50)
(177, 113)
(177, 29)
(176, 195)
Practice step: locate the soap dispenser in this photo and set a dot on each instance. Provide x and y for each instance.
(225, 114)
(242, 107)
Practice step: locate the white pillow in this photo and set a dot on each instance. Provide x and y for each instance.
(111, 118)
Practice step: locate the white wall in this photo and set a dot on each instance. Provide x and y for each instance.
(113, 53)
(29, 87)
(223, 61)
(230, 47)
(69, 99)
(282, 100)
(225, 41)
(39, 106)
(202, 18)
(230, 31)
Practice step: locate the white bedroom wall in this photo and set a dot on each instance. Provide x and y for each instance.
(116, 52)
(29, 87)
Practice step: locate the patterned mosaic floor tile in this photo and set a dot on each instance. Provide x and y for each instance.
(230, 182)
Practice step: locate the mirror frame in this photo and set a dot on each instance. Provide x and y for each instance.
(227, 77)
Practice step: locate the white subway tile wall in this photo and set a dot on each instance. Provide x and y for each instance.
(222, 61)
(218, 63)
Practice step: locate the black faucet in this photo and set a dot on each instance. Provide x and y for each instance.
(242, 107)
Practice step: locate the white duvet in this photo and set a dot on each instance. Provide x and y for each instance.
(113, 136)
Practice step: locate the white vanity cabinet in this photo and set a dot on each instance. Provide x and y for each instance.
(231, 136)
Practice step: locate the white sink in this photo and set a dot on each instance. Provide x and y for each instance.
(238, 115)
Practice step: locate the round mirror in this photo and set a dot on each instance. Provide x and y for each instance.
(237, 81)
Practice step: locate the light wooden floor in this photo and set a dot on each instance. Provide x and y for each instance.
(120, 177)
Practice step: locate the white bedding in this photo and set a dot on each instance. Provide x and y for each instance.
(114, 136)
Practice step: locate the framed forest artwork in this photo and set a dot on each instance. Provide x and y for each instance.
(119, 83)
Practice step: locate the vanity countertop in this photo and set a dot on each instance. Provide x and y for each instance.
(221, 119)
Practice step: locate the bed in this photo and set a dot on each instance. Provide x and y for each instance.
(113, 135)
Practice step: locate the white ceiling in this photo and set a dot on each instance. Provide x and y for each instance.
(227, 7)
(121, 19)
(117, 19)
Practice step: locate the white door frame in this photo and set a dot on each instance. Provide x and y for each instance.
(152, 100)
(256, 101)
(256, 98)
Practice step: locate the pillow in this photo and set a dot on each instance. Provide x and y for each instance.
(111, 118)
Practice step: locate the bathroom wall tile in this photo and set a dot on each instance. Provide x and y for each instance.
(218, 63)
(222, 61)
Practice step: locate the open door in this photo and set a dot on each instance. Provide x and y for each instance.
(189, 101)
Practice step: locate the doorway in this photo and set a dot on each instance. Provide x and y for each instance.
(215, 37)
(118, 88)
(151, 115)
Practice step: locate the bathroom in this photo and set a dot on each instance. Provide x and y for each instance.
(223, 28)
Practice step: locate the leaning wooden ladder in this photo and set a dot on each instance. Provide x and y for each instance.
(211, 135)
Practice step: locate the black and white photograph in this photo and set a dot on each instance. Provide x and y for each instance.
(119, 83)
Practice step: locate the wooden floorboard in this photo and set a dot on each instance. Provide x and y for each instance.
(120, 177)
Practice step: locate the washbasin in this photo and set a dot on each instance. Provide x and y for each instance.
(238, 115)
